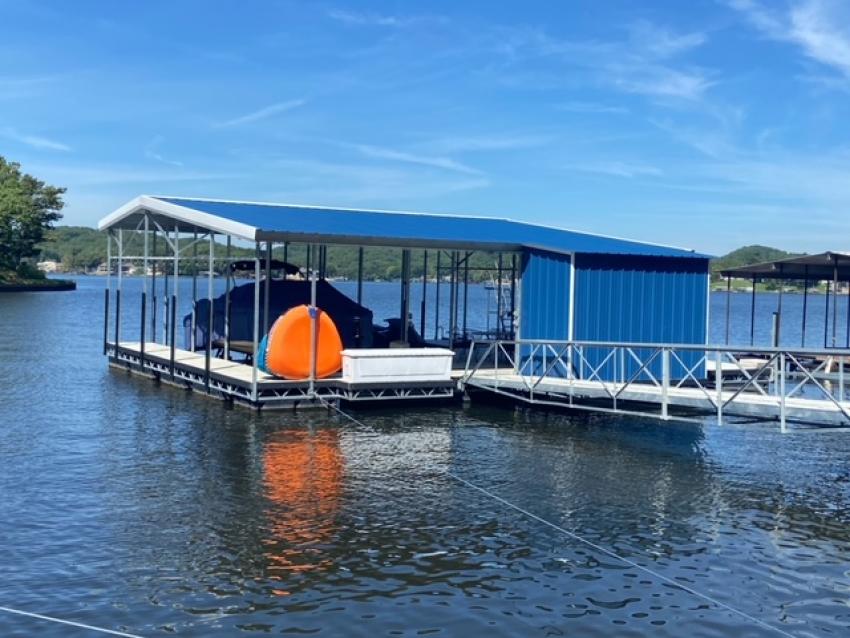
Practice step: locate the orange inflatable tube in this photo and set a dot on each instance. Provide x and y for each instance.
(288, 349)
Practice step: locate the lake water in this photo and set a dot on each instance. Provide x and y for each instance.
(155, 512)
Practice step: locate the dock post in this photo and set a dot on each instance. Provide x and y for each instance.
(782, 425)
(360, 275)
(210, 314)
(805, 304)
(267, 287)
(314, 323)
(835, 301)
(173, 310)
(728, 304)
(254, 360)
(437, 299)
(826, 316)
(422, 305)
(841, 361)
(117, 319)
(718, 384)
(466, 292)
(153, 284)
(175, 293)
(108, 291)
(665, 381)
(194, 291)
(753, 313)
(142, 333)
(228, 273)
(120, 284)
(105, 319)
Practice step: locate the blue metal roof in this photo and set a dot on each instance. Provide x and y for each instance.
(284, 222)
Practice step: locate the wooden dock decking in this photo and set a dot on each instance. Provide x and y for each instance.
(234, 381)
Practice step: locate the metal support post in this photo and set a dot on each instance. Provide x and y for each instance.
(437, 298)
(210, 314)
(229, 274)
(728, 305)
(267, 287)
(665, 382)
(404, 326)
(753, 313)
(782, 424)
(193, 342)
(256, 337)
(360, 275)
(422, 305)
(718, 384)
(314, 325)
(805, 304)
(826, 316)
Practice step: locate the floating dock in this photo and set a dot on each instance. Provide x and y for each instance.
(766, 384)
(235, 382)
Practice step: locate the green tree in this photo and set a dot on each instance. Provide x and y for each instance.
(28, 208)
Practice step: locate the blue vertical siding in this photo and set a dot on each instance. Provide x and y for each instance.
(640, 299)
(544, 303)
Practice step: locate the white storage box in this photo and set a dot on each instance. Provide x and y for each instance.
(394, 365)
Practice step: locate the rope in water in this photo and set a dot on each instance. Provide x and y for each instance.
(72, 623)
(597, 547)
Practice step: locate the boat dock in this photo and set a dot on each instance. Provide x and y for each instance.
(665, 381)
(236, 382)
(586, 322)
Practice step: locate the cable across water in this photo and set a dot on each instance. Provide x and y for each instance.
(604, 550)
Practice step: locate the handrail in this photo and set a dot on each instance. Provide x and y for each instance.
(547, 368)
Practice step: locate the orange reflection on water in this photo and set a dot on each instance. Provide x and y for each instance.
(303, 479)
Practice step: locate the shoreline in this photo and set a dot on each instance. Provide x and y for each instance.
(50, 285)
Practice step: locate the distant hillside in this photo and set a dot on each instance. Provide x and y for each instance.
(75, 247)
(749, 255)
(78, 249)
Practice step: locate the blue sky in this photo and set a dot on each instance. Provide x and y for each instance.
(708, 123)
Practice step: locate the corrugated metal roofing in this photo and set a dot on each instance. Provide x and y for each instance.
(821, 266)
(284, 222)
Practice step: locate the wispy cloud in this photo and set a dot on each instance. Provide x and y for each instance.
(152, 152)
(592, 107)
(616, 169)
(820, 28)
(356, 183)
(662, 43)
(643, 63)
(107, 175)
(493, 142)
(444, 163)
(263, 113)
(34, 141)
(24, 87)
(357, 18)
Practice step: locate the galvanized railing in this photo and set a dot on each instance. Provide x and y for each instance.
(667, 380)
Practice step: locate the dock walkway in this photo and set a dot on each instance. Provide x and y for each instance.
(758, 383)
(234, 381)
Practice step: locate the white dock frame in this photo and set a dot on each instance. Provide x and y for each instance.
(756, 383)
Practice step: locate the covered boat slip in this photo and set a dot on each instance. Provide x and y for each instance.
(805, 271)
(548, 283)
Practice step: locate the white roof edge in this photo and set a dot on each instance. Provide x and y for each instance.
(450, 215)
(182, 213)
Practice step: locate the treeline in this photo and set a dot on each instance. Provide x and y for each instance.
(82, 249)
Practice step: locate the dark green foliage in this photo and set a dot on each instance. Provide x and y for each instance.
(749, 255)
(28, 208)
(79, 248)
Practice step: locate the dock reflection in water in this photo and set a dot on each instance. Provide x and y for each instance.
(303, 475)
